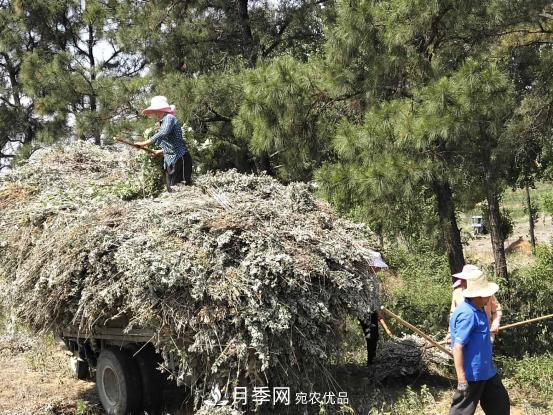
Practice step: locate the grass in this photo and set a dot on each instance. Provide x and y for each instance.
(515, 202)
(532, 375)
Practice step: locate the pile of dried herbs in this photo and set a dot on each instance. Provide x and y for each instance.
(242, 280)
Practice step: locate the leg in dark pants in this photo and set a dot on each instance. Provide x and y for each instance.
(495, 399)
(491, 395)
(370, 331)
(187, 169)
(181, 170)
(465, 404)
(175, 174)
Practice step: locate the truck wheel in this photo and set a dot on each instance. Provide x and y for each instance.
(151, 379)
(118, 382)
(79, 367)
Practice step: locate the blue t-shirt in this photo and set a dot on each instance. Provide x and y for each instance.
(469, 326)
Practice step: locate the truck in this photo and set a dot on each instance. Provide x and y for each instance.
(128, 378)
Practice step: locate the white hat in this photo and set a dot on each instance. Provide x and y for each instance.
(480, 288)
(469, 272)
(158, 103)
(377, 261)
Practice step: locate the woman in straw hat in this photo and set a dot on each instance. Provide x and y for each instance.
(478, 381)
(493, 308)
(176, 158)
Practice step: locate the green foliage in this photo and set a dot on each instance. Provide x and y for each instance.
(208, 103)
(85, 408)
(419, 272)
(410, 402)
(284, 113)
(380, 178)
(353, 347)
(534, 210)
(529, 294)
(506, 223)
(149, 184)
(547, 203)
(532, 375)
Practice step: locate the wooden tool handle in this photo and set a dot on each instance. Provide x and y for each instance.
(522, 323)
(416, 330)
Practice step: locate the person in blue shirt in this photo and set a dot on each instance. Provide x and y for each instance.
(177, 161)
(478, 381)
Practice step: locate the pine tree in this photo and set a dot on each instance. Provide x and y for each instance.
(71, 78)
(22, 34)
(200, 53)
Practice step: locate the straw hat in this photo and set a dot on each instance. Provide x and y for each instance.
(480, 288)
(157, 104)
(469, 272)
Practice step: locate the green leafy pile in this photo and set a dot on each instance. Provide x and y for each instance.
(240, 279)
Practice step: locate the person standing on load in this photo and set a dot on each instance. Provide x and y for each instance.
(177, 161)
(493, 307)
(478, 381)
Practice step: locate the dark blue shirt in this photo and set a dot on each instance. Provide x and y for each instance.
(169, 138)
(469, 326)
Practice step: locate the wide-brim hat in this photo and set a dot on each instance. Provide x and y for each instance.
(377, 261)
(158, 104)
(469, 272)
(480, 288)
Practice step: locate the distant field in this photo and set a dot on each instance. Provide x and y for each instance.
(515, 202)
(479, 248)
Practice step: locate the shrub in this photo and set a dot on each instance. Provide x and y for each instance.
(532, 375)
(528, 294)
(422, 294)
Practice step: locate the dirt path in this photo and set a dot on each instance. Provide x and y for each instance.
(34, 382)
(38, 381)
(480, 247)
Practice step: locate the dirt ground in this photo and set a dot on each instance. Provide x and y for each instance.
(40, 382)
(517, 247)
(37, 380)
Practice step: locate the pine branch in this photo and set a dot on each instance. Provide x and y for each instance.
(216, 116)
(5, 100)
(113, 56)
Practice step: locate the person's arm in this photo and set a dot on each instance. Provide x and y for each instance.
(496, 313)
(166, 125)
(459, 361)
(452, 309)
(462, 328)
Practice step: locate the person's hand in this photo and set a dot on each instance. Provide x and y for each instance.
(463, 388)
(156, 153)
(141, 144)
(494, 327)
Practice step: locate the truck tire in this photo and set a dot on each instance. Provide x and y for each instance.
(118, 382)
(151, 379)
(79, 367)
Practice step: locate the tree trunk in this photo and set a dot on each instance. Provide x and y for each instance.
(264, 164)
(92, 96)
(244, 18)
(448, 223)
(530, 217)
(495, 231)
